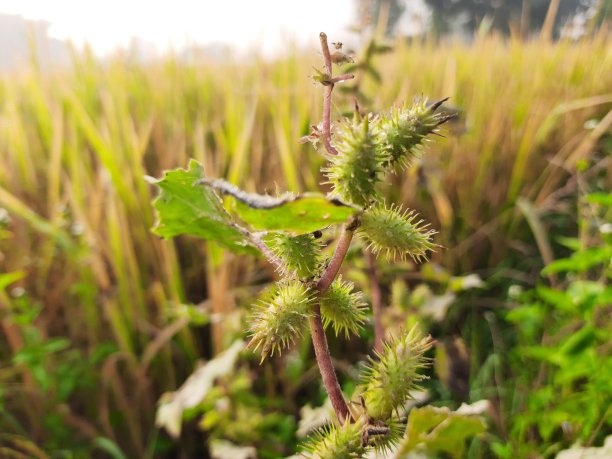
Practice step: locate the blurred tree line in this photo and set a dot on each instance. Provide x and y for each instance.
(467, 16)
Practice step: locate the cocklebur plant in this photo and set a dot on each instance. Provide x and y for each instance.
(289, 232)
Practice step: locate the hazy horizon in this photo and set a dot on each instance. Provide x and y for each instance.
(242, 24)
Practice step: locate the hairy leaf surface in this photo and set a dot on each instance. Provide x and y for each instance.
(185, 208)
(296, 213)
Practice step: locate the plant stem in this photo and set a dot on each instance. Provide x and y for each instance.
(327, 96)
(326, 367)
(341, 78)
(379, 330)
(319, 340)
(344, 242)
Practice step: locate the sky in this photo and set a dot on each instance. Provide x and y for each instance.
(245, 24)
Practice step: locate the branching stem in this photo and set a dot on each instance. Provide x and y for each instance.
(319, 340)
(341, 78)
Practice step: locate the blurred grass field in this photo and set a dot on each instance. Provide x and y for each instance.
(90, 300)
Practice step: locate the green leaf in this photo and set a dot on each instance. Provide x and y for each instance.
(543, 353)
(579, 341)
(571, 243)
(300, 214)
(10, 278)
(442, 430)
(560, 300)
(605, 199)
(184, 208)
(580, 261)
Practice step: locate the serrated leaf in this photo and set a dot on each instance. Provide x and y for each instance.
(442, 430)
(185, 208)
(299, 214)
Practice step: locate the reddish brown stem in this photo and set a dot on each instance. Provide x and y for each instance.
(326, 367)
(344, 242)
(327, 61)
(327, 96)
(379, 330)
(327, 121)
(319, 340)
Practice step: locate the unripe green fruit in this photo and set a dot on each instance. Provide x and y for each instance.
(357, 168)
(396, 232)
(279, 320)
(342, 308)
(390, 379)
(337, 442)
(402, 130)
(300, 254)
